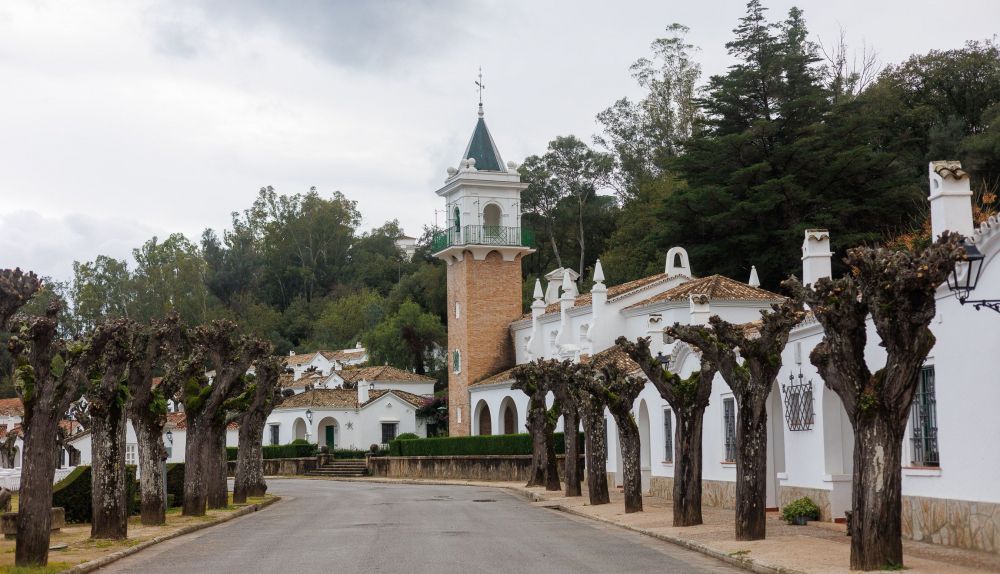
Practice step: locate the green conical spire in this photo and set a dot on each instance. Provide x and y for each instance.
(482, 149)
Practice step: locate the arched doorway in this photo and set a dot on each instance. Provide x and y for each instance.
(328, 432)
(484, 422)
(300, 429)
(508, 416)
(492, 215)
(645, 448)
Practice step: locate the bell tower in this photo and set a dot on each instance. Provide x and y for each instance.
(482, 244)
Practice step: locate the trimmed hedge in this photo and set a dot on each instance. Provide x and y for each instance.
(280, 451)
(343, 453)
(508, 444)
(175, 484)
(73, 493)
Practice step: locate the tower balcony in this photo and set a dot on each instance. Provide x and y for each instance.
(483, 235)
(452, 243)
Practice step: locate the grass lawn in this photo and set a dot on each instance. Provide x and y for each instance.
(81, 548)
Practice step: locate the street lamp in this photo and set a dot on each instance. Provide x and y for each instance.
(664, 360)
(309, 415)
(170, 437)
(963, 285)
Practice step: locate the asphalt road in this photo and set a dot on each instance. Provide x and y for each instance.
(326, 526)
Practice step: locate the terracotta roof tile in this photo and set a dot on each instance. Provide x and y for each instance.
(502, 376)
(716, 287)
(343, 398)
(614, 292)
(612, 355)
(11, 407)
(382, 373)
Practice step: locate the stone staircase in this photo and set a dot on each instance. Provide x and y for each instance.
(341, 468)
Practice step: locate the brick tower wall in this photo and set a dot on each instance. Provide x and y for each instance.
(489, 296)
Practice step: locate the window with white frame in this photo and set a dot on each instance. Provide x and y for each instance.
(729, 428)
(131, 456)
(668, 436)
(458, 310)
(923, 420)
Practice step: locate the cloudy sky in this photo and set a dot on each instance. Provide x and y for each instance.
(125, 119)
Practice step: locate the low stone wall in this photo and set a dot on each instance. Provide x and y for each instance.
(283, 466)
(484, 467)
(961, 523)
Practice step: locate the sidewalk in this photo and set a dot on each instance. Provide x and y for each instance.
(820, 548)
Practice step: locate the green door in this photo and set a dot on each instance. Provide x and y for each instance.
(330, 436)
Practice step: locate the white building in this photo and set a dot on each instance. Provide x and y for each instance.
(325, 362)
(951, 480)
(346, 418)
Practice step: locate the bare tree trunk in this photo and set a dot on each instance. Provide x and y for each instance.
(628, 441)
(537, 419)
(571, 437)
(249, 479)
(194, 469)
(551, 464)
(596, 452)
(108, 493)
(152, 453)
(215, 468)
(876, 529)
(687, 467)
(751, 470)
(38, 468)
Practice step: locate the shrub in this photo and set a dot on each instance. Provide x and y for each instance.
(175, 484)
(300, 441)
(301, 450)
(509, 444)
(343, 453)
(73, 494)
(407, 436)
(801, 507)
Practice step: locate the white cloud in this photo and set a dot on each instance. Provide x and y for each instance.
(170, 114)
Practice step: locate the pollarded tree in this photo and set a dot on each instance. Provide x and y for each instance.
(229, 355)
(897, 289)
(255, 405)
(688, 398)
(107, 395)
(618, 389)
(533, 379)
(8, 448)
(150, 345)
(759, 345)
(50, 374)
(563, 377)
(16, 289)
(590, 408)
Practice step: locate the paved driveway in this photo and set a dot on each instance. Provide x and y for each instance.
(326, 526)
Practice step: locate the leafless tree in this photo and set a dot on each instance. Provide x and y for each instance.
(254, 406)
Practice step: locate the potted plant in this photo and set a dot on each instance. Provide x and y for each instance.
(800, 511)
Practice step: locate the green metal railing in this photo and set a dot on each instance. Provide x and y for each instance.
(483, 235)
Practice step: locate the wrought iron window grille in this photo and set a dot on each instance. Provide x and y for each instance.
(799, 403)
(924, 417)
(729, 422)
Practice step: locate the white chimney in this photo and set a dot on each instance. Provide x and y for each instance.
(535, 344)
(951, 198)
(754, 280)
(677, 262)
(362, 392)
(701, 309)
(816, 256)
(598, 299)
(566, 302)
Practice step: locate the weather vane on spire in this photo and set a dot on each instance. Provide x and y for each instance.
(481, 86)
